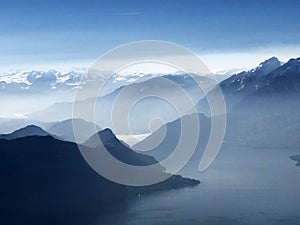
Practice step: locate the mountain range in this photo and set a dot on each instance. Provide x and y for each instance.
(38, 81)
(268, 115)
(47, 176)
(263, 111)
(152, 90)
(244, 92)
(258, 87)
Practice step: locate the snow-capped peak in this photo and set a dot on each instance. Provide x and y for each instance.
(41, 81)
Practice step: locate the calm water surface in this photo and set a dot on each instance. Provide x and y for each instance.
(243, 186)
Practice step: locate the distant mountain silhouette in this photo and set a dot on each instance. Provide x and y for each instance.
(30, 130)
(47, 181)
(171, 133)
(167, 85)
(64, 129)
(9, 125)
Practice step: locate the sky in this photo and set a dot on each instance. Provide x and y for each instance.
(225, 34)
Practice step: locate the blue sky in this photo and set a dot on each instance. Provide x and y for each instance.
(49, 33)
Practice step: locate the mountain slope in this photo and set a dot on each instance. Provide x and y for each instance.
(164, 141)
(54, 180)
(47, 181)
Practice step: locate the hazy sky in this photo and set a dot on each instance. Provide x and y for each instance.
(225, 34)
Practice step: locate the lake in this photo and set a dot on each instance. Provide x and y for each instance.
(243, 186)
